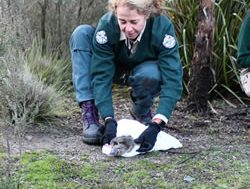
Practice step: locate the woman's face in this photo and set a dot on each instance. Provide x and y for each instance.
(130, 22)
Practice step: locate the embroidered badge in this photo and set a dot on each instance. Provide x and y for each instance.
(101, 37)
(169, 41)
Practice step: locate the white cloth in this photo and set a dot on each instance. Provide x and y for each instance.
(134, 128)
(245, 81)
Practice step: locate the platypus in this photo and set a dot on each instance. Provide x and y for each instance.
(128, 130)
(121, 145)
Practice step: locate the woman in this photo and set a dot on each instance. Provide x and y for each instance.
(132, 44)
(244, 43)
(243, 57)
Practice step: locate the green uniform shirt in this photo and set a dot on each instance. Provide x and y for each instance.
(244, 43)
(158, 42)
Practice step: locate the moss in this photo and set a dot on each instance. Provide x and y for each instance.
(210, 169)
(88, 172)
(43, 170)
(215, 169)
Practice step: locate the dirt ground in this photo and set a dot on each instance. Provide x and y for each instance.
(225, 128)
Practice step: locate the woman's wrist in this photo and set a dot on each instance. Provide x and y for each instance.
(157, 120)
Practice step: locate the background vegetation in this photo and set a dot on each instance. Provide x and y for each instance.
(229, 15)
(35, 82)
(32, 26)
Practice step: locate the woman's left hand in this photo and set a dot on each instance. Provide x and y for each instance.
(148, 137)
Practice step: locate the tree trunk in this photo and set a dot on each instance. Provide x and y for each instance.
(79, 12)
(2, 8)
(9, 11)
(59, 27)
(43, 6)
(200, 78)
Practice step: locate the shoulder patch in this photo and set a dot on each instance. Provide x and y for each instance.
(101, 37)
(169, 41)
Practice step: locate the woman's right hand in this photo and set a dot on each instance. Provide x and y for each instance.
(110, 129)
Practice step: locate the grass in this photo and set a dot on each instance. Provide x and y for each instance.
(213, 168)
(25, 99)
(49, 68)
(42, 170)
(8, 177)
(210, 169)
(217, 169)
(224, 67)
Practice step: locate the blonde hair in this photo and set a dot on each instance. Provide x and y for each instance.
(145, 7)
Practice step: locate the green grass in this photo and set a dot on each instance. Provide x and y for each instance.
(42, 170)
(228, 15)
(218, 169)
(209, 169)
(8, 178)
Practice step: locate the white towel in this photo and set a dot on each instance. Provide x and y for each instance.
(134, 128)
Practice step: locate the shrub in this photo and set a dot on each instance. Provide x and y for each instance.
(25, 100)
(228, 20)
(49, 68)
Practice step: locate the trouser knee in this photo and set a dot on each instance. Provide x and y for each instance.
(81, 37)
(145, 82)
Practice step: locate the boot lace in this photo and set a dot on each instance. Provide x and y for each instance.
(90, 113)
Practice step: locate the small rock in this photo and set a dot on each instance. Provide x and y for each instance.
(28, 137)
(188, 178)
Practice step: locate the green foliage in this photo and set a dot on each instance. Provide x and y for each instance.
(8, 178)
(25, 100)
(49, 68)
(217, 169)
(89, 173)
(228, 20)
(7, 181)
(42, 170)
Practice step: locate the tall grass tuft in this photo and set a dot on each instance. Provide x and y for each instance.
(25, 100)
(51, 69)
(228, 20)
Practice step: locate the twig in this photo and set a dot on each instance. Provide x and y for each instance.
(174, 151)
(193, 155)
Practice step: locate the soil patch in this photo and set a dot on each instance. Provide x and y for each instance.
(226, 128)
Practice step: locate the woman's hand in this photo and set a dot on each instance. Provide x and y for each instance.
(148, 137)
(109, 130)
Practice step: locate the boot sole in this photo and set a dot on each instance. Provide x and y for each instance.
(132, 114)
(136, 118)
(93, 141)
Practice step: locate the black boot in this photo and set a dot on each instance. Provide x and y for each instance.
(91, 125)
(142, 118)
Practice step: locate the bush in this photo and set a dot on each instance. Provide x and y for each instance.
(49, 68)
(228, 20)
(25, 100)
